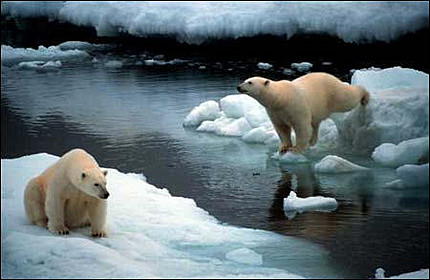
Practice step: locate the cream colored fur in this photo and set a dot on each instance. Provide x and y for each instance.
(70, 193)
(302, 104)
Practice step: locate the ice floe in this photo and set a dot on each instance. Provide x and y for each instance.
(336, 164)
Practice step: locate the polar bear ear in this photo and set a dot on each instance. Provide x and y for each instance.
(266, 82)
(83, 175)
(105, 172)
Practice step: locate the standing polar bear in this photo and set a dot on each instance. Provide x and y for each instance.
(70, 193)
(302, 104)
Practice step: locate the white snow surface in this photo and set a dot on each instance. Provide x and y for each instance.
(406, 152)
(11, 56)
(313, 203)
(336, 164)
(289, 157)
(197, 22)
(398, 109)
(114, 64)
(420, 274)
(151, 235)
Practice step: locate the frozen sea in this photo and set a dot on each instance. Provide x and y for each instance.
(130, 118)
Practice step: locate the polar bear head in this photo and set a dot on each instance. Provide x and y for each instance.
(93, 182)
(254, 87)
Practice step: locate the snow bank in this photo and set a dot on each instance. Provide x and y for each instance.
(150, 62)
(151, 235)
(302, 66)
(335, 164)
(199, 22)
(40, 66)
(11, 56)
(406, 152)
(292, 203)
(398, 109)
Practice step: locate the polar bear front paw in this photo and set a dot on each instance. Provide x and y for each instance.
(61, 230)
(283, 149)
(100, 233)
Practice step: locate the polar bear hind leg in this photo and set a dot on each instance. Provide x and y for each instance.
(34, 203)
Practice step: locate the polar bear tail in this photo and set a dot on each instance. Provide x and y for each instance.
(365, 97)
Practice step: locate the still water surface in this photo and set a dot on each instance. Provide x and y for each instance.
(131, 119)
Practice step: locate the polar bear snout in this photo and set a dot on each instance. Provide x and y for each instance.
(104, 195)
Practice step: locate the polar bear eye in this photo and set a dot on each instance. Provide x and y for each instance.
(250, 83)
(97, 185)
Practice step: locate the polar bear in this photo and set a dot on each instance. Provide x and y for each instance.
(70, 193)
(302, 104)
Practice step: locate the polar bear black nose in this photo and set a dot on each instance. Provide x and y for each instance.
(105, 195)
(238, 88)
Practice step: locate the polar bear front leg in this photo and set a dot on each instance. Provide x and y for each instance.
(54, 207)
(98, 212)
(284, 133)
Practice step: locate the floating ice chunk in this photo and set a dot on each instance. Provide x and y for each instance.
(208, 110)
(150, 62)
(379, 273)
(398, 110)
(327, 136)
(414, 175)
(289, 157)
(335, 164)
(80, 45)
(40, 66)
(265, 66)
(256, 135)
(236, 105)
(313, 203)
(302, 66)
(237, 127)
(287, 72)
(406, 152)
(10, 55)
(245, 255)
(113, 64)
(257, 117)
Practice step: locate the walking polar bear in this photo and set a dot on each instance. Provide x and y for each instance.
(70, 193)
(302, 104)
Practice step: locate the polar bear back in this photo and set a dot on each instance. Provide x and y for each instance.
(326, 94)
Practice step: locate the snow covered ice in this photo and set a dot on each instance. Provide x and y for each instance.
(414, 175)
(293, 204)
(406, 152)
(336, 164)
(150, 234)
(200, 22)
(11, 56)
(302, 66)
(398, 110)
(41, 66)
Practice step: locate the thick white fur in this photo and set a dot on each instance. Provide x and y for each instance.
(70, 193)
(302, 104)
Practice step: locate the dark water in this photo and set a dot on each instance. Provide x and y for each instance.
(131, 119)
